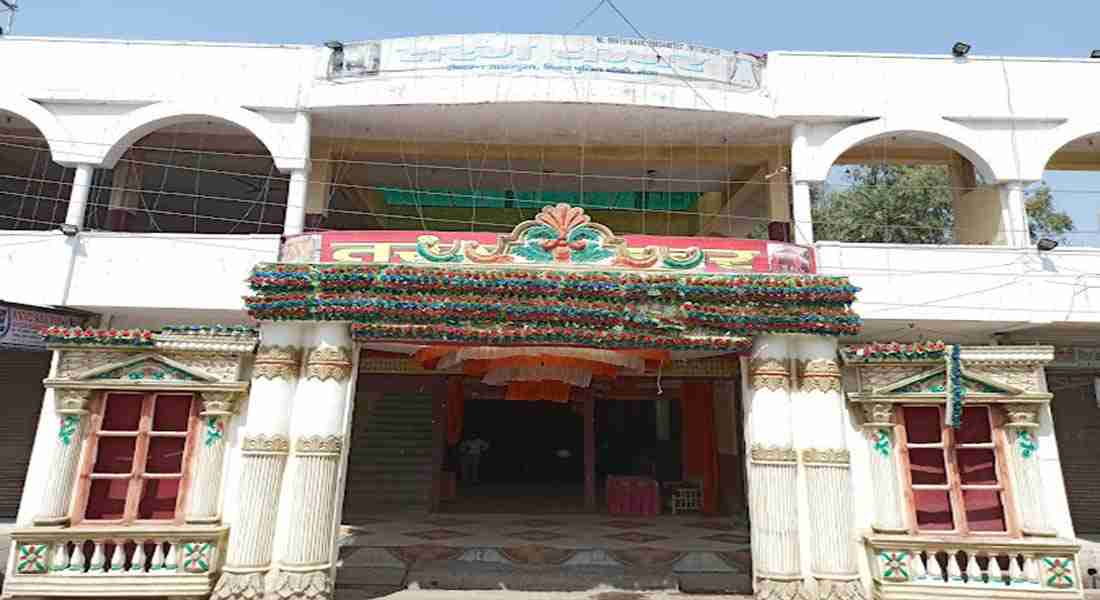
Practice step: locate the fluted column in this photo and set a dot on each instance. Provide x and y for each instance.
(264, 448)
(72, 411)
(773, 472)
(819, 422)
(206, 480)
(878, 428)
(1021, 426)
(320, 407)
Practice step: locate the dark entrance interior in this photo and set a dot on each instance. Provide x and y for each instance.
(535, 461)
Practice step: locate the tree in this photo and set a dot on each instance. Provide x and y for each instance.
(1043, 220)
(910, 205)
(887, 203)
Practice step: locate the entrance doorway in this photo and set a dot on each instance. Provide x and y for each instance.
(532, 454)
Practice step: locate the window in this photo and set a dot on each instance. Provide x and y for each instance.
(955, 474)
(135, 467)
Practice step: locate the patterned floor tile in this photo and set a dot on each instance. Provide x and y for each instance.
(646, 557)
(727, 538)
(425, 553)
(449, 522)
(536, 535)
(714, 525)
(619, 524)
(437, 534)
(636, 537)
(535, 523)
(534, 554)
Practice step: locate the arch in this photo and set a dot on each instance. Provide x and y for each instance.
(57, 136)
(1055, 141)
(941, 131)
(143, 121)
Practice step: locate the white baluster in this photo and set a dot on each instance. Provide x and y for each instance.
(996, 576)
(1031, 570)
(137, 563)
(917, 565)
(170, 563)
(1015, 573)
(935, 572)
(76, 561)
(98, 558)
(60, 557)
(118, 557)
(954, 573)
(158, 557)
(973, 571)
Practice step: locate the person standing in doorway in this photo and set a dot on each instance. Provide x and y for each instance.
(471, 451)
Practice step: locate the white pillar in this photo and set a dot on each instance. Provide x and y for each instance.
(878, 429)
(1014, 215)
(296, 200)
(72, 412)
(828, 512)
(320, 407)
(203, 500)
(772, 471)
(78, 197)
(264, 448)
(1021, 429)
(801, 213)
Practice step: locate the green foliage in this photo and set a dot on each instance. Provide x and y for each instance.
(1043, 220)
(887, 203)
(905, 204)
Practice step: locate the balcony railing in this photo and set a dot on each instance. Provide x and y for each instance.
(116, 561)
(902, 566)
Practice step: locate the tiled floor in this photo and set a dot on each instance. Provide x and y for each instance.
(679, 543)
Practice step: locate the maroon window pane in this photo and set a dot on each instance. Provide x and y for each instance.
(171, 412)
(114, 455)
(922, 424)
(974, 427)
(926, 466)
(158, 499)
(977, 466)
(984, 511)
(933, 510)
(106, 499)
(122, 413)
(165, 455)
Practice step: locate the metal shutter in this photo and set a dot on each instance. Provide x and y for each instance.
(21, 375)
(1076, 427)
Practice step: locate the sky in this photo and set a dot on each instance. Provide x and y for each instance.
(1058, 28)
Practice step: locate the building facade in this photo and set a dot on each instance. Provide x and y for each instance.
(292, 291)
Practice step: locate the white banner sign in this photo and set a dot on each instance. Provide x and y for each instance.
(20, 327)
(549, 54)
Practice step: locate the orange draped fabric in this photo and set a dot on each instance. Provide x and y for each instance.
(700, 452)
(456, 407)
(554, 391)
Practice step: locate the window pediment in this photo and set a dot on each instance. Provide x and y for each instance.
(934, 381)
(146, 368)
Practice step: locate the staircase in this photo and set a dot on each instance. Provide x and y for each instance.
(390, 467)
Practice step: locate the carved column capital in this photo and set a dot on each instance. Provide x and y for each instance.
(277, 362)
(329, 362)
(1022, 416)
(773, 454)
(71, 402)
(265, 444)
(217, 404)
(304, 585)
(826, 456)
(319, 444)
(769, 373)
(821, 374)
(877, 414)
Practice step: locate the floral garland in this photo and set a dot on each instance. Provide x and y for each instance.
(894, 351)
(98, 337)
(536, 336)
(955, 389)
(520, 306)
(234, 330)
